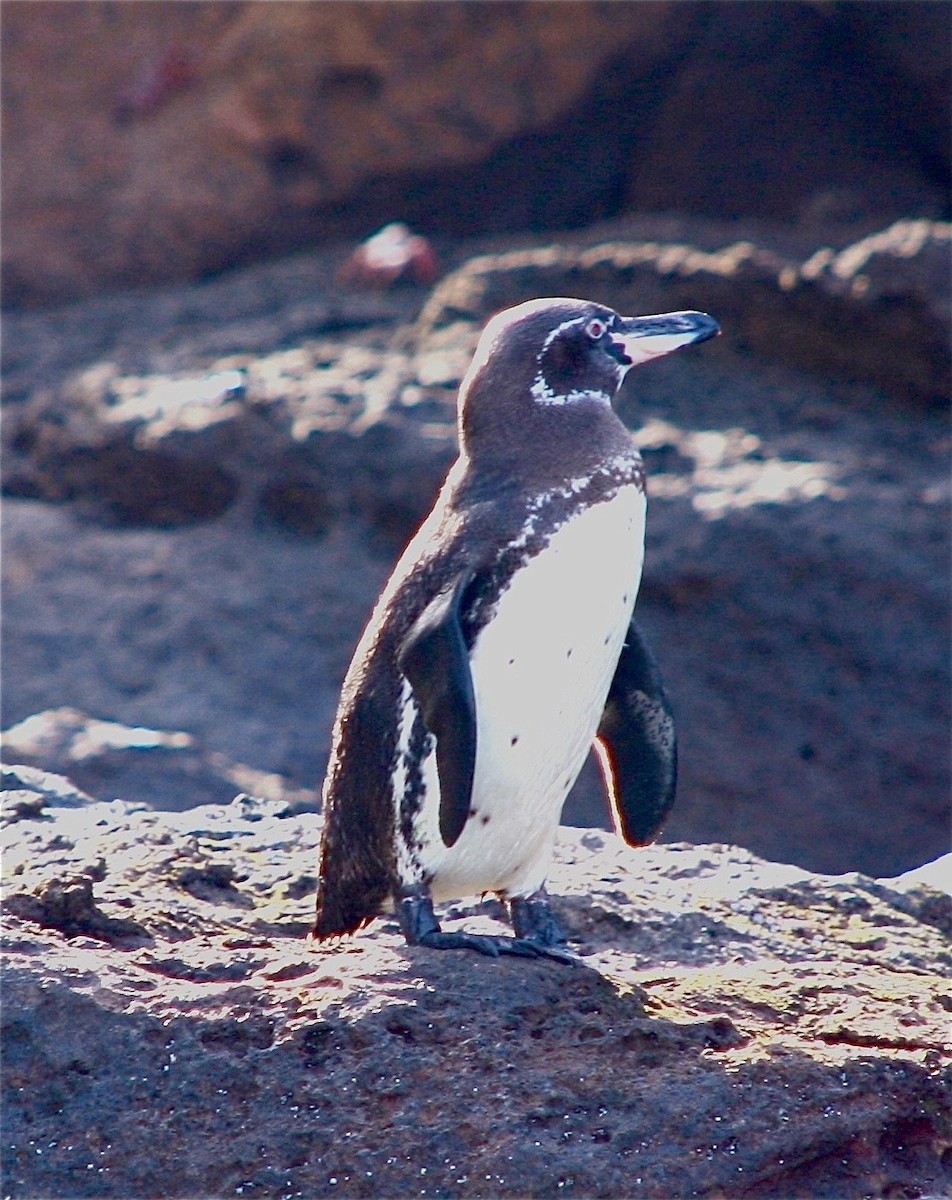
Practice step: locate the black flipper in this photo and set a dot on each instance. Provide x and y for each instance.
(435, 660)
(637, 745)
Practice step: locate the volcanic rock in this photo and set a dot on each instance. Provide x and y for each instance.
(733, 1028)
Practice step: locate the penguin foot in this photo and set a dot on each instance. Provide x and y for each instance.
(484, 943)
(421, 928)
(535, 924)
(534, 920)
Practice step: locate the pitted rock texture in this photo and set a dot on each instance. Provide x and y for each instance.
(734, 1028)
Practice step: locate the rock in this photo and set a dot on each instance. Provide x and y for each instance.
(877, 310)
(796, 582)
(165, 770)
(928, 892)
(192, 135)
(314, 434)
(365, 424)
(735, 1027)
(27, 791)
(68, 905)
(149, 144)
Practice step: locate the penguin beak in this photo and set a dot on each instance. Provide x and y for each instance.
(644, 338)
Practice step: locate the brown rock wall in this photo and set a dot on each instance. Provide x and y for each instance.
(149, 141)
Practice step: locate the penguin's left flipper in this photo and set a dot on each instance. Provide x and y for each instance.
(435, 660)
(636, 744)
(421, 928)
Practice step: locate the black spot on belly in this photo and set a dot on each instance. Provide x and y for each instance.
(412, 797)
(511, 661)
(485, 818)
(608, 638)
(514, 739)
(568, 653)
(472, 812)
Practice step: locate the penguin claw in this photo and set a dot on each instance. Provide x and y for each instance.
(558, 954)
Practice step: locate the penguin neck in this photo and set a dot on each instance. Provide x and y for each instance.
(539, 447)
(532, 473)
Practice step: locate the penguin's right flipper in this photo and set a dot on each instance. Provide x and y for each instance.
(636, 744)
(435, 660)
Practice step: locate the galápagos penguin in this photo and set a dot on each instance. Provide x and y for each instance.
(503, 645)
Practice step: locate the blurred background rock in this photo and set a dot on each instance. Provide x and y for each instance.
(153, 142)
(217, 436)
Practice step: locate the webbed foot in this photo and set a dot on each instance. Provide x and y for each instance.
(534, 922)
(485, 943)
(533, 919)
(421, 928)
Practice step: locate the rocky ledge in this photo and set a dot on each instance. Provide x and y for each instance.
(205, 488)
(733, 1028)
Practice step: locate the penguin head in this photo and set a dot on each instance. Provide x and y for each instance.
(561, 359)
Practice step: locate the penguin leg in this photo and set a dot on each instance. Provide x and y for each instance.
(421, 928)
(533, 918)
(533, 921)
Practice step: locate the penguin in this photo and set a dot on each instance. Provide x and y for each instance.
(503, 646)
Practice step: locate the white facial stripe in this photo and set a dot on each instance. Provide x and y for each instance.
(550, 337)
(541, 390)
(545, 395)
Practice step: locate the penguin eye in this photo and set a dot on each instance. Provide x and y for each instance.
(596, 329)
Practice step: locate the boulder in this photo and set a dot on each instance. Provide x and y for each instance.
(733, 1027)
(189, 138)
(163, 769)
(315, 404)
(147, 142)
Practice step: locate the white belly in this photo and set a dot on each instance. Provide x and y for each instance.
(541, 667)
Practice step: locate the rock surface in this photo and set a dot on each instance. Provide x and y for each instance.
(147, 142)
(190, 134)
(243, 460)
(206, 484)
(734, 1027)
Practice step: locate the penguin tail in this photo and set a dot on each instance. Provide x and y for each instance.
(331, 923)
(342, 910)
(354, 872)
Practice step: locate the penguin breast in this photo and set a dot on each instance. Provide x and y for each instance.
(541, 667)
